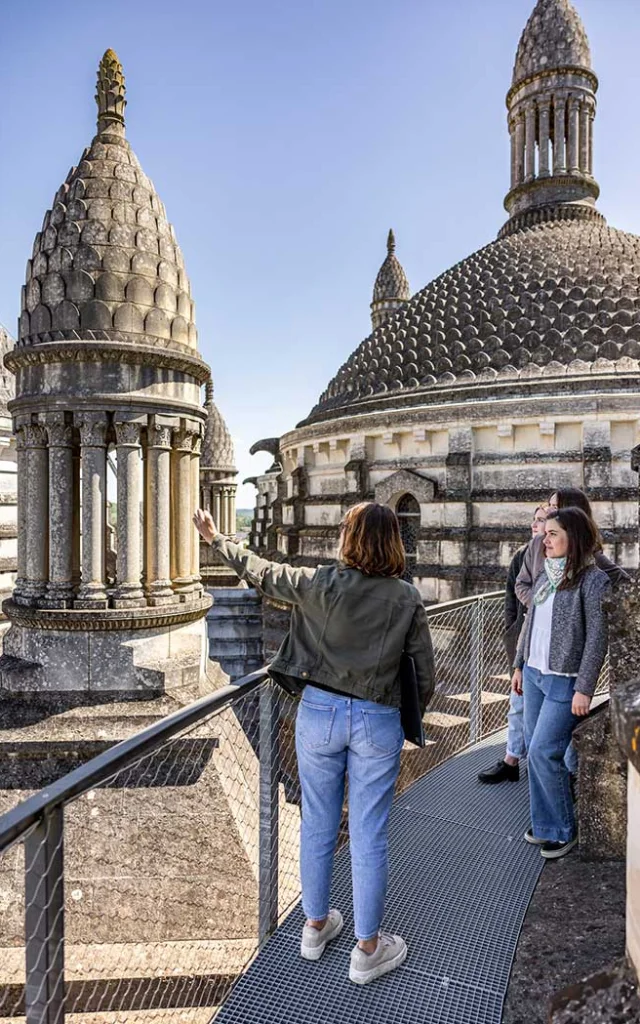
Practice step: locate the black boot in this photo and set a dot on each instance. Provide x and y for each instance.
(501, 772)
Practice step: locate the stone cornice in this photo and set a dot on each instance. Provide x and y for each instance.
(569, 69)
(468, 400)
(106, 621)
(107, 351)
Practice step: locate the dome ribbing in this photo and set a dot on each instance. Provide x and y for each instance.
(217, 447)
(554, 37)
(106, 264)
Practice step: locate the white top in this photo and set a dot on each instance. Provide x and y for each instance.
(540, 644)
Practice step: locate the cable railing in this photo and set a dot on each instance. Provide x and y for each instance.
(139, 886)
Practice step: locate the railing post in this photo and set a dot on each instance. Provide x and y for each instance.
(268, 842)
(477, 670)
(44, 920)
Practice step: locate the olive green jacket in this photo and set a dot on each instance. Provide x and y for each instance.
(348, 631)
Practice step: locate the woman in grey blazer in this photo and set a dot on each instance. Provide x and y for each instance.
(561, 651)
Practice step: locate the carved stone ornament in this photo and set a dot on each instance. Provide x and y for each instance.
(128, 434)
(60, 434)
(93, 430)
(159, 436)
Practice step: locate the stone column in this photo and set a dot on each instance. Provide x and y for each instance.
(559, 158)
(584, 137)
(573, 160)
(592, 116)
(129, 555)
(217, 506)
(35, 515)
(60, 586)
(530, 143)
(21, 483)
(181, 498)
(158, 515)
(544, 109)
(232, 511)
(195, 537)
(93, 456)
(514, 153)
(520, 147)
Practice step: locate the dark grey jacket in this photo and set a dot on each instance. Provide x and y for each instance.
(514, 609)
(579, 633)
(348, 631)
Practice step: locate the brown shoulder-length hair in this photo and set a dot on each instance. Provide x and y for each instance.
(583, 542)
(574, 497)
(370, 540)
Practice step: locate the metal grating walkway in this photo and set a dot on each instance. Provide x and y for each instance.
(460, 882)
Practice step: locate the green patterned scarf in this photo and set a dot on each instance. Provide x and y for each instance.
(554, 569)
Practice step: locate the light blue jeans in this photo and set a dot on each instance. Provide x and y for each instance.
(339, 736)
(548, 725)
(516, 745)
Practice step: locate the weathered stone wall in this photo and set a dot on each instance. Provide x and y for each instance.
(475, 472)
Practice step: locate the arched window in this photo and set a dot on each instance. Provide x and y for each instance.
(408, 513)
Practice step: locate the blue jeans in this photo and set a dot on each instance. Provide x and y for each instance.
(548, 725)
(516, 745)
(335, 736)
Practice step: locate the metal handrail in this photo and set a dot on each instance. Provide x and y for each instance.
(461, 602)
(15, 824)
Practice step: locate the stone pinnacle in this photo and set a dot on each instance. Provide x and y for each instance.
(391, 242)
(110, 92)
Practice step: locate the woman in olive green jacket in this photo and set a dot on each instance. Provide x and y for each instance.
(350, 624)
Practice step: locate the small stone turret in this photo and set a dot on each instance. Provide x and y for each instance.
(218, 471)
(391, 289)
(552, 106)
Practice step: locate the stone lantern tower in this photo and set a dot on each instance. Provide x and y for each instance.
(218, 471)
(391, 289)
(218, 486)
(107, 374)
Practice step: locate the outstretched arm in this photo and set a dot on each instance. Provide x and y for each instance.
(275, 579)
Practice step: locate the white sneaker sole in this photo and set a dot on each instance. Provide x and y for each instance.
(315, 952)
(532, 840)
(364, 977)
(557, 854)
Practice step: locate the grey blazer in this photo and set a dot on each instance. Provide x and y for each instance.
(579, 630)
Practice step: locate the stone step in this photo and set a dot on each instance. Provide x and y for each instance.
(236, 628)
(235, 647)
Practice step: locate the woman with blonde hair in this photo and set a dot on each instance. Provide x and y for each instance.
(350, 624)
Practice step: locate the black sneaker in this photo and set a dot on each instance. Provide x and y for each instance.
(553, 851)
(501, 772)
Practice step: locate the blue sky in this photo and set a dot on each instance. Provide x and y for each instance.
(285, 138)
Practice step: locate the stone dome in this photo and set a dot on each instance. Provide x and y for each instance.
(106, 265)
(217, 447)
(554, 37)
(558, 298)
(391, 282)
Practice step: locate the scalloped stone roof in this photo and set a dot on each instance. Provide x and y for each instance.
(106, 264)
(217, 447)
(391, 282)
(554, 37)
(560, 294)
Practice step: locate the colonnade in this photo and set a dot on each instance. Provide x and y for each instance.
(62, 510)
(551, 135)
(219, 498)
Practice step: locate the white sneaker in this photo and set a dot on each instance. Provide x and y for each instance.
(366, 967)
(314, 940)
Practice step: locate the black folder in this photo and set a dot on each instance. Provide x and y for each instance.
(410, 714)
